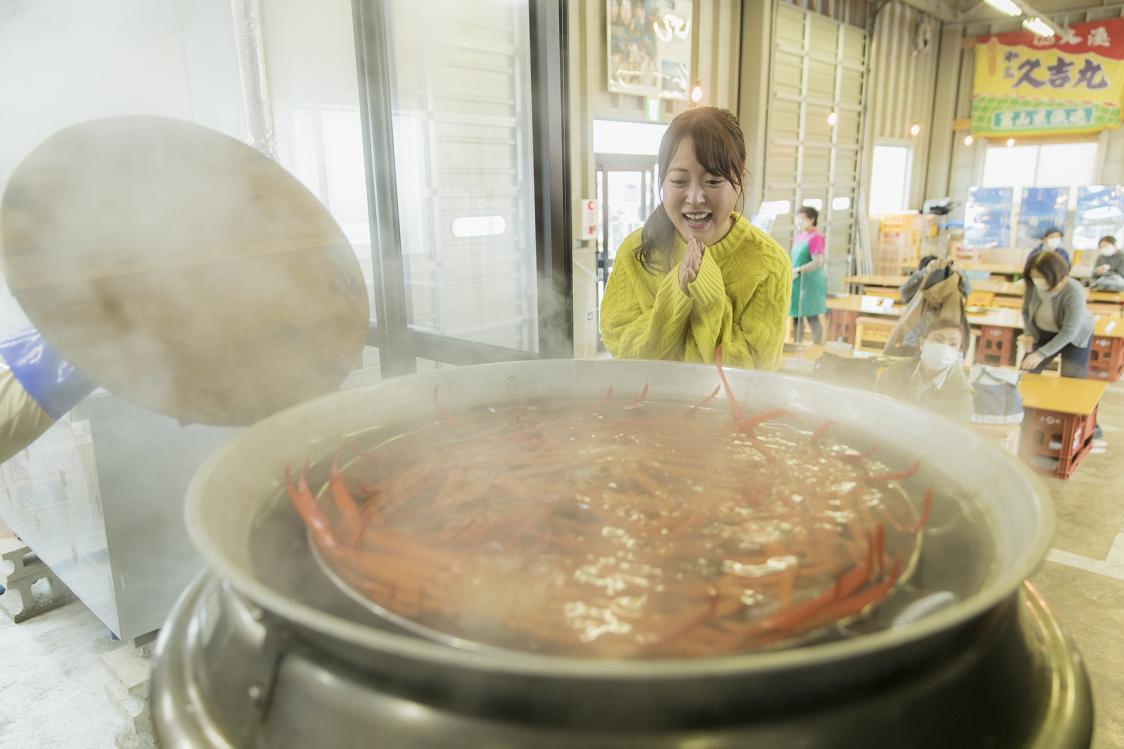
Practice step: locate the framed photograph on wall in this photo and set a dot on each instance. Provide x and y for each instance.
(650, 44)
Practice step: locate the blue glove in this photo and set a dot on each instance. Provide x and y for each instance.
(49, 379)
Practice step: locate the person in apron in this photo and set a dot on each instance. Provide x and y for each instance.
(809, 279)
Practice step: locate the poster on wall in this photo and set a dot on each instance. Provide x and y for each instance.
(650, 47)
(1039, 209)
(987, 217)
(1030, 85)
(1100, 211)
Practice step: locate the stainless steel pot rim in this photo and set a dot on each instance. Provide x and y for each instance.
(996, 590)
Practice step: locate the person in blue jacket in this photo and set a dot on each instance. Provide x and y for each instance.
(1052, 241)
(37, 387)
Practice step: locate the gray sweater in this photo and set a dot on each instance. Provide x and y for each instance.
(1075, 322)
(1115, 263)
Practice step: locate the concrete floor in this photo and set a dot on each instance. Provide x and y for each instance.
(53, 682)
(52, 690)
(1083, 577)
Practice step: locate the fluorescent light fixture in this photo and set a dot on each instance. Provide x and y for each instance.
(1008, 7)
(1038, 26)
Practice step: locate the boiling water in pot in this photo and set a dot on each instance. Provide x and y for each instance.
(630, 528)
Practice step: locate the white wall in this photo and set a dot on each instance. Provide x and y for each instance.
(65, 62)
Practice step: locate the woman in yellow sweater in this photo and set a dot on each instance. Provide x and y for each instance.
(697, 275)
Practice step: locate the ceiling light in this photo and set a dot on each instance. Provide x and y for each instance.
(1008, 7)
(833, 118)
(1038, 26)
(969, 140)
(915, 129)
(696, 93)
(1010, 142)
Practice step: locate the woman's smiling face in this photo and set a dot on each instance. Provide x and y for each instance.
(697, 202)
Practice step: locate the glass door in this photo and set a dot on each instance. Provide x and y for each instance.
(465, 150)
(627, 187)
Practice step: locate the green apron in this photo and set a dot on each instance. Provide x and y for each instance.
(809, 289)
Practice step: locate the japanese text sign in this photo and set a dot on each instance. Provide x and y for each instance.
(1030, 85)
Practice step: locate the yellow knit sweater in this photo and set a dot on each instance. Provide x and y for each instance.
(739, 301)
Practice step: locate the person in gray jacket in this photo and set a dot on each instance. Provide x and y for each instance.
(1110, 261)
(1055, 319)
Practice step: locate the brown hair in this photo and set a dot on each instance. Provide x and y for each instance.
(719, 147)
(812, 214)
(1051, 265)
(1107, 238)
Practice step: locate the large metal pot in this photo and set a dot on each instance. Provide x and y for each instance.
(240, 485)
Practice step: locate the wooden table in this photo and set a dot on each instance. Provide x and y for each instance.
(843, 311)
(999, 329)
(877, 280)
(876, 285)
(996, 269)
(1061, 415)
(1003, 288)
(1106, 352)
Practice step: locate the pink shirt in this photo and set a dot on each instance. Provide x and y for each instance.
(814, 240)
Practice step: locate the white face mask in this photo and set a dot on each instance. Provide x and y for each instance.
(1054, 242)
(1108, 250)
(1040, 284)
(938, 357)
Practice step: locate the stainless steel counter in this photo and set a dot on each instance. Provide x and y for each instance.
(100, 499)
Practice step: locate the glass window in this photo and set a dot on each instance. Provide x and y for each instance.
(626, 207)
(1010, 167)
(1066, 165)
(889, 180)
(464, 167)
(316, 112)
(636, 138)
(1050, 165)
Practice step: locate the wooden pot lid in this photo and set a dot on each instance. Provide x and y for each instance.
(182, 269)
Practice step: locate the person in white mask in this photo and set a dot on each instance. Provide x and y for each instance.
(935, 378)
(1109, 258)
(1052, 242)
(1055, 319)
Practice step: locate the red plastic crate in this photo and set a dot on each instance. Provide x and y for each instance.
(996, 346)
(841, 325)
(1071, 433)
(1106, 358)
